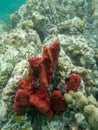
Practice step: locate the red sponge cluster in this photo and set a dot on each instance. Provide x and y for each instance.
(33, 91)
(42, 71)
(74, 82)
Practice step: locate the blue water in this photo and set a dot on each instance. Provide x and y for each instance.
(8, 7)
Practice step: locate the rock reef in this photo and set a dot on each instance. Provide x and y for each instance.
(34, 26)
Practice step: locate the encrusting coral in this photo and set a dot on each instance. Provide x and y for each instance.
(42, 69)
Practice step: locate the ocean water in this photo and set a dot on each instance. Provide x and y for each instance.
(8, 7)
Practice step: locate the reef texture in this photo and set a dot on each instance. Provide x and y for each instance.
(62, 83)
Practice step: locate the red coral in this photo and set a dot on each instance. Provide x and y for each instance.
(58, 103)
(40, 98)
(21, 100)
(42, 69)
(49, 60)
(46, 65)
(74, 82)
(27, 84)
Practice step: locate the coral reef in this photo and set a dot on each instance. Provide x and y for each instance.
(68, 89)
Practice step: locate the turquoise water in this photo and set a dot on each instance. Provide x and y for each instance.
(8, 7)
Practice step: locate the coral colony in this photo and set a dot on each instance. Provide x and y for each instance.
(42, 71)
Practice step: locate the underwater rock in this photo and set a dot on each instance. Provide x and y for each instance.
(94, 9)
(19, 71)
(27, 24)
(6, 65)
(3, 110)
(14, 19)
(72, 26)
(96, 56)
(3, 27)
